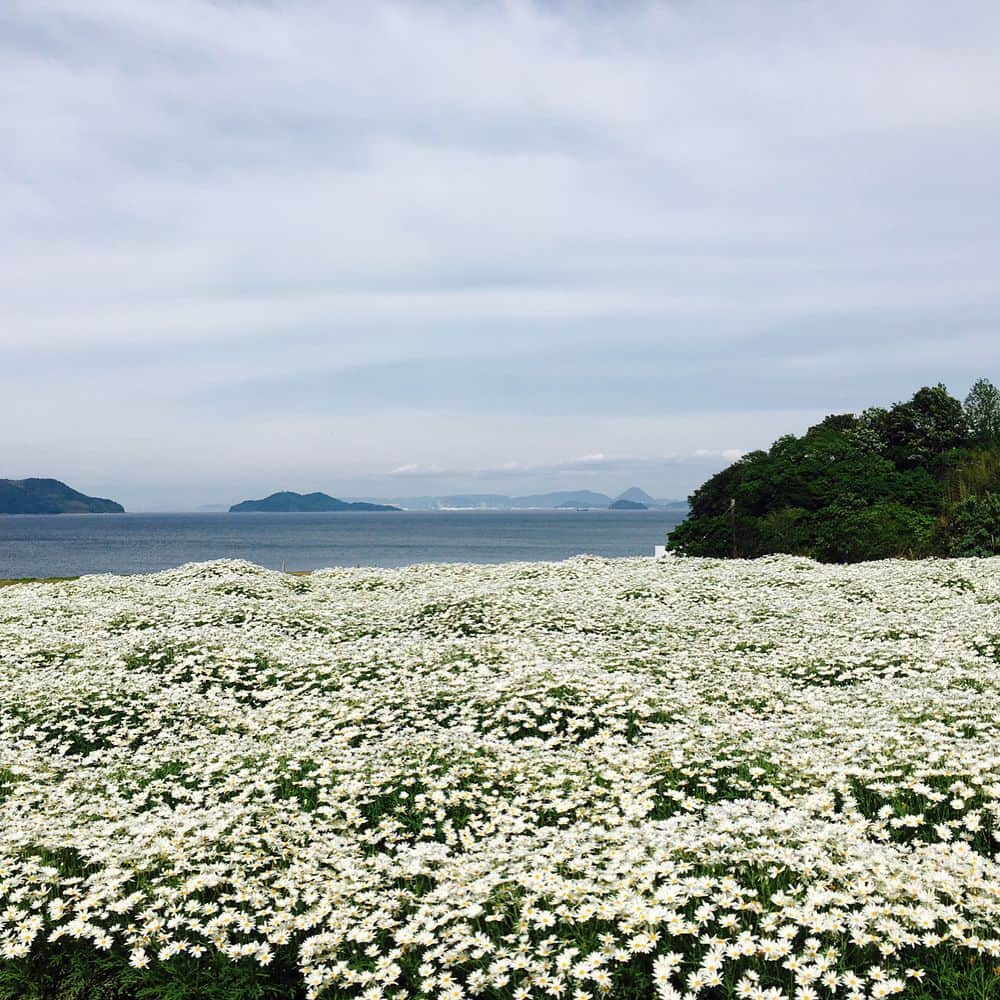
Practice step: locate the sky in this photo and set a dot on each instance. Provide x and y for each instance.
(391, 249)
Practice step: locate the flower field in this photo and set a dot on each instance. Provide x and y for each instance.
(598, 778)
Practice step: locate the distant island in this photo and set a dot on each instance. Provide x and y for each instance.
(622, 504)
(50, 496)
(288, 502)
(561, 498)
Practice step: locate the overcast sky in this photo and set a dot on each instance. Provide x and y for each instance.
(402, 248)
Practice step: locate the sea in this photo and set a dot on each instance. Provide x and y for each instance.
(77, 544)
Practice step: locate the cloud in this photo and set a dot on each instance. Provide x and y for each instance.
(415, 470)
(354, 237)
(597, 464)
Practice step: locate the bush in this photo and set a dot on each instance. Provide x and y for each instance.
(975, 526)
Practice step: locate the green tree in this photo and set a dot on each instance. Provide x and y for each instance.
(982, 412)
(921, 431)
(842, 423)
(869, 431)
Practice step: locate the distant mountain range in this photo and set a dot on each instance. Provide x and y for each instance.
(50, 496)
(556, 500)
(287, 502)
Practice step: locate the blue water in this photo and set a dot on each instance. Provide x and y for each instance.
(73, 544)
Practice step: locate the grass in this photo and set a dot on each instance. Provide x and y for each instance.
(72, 970)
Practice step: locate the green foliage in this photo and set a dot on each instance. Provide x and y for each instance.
(951, 975)
(882, 530)
(982, 412)
(975, 527)
(75, 970)
(919, 432)
(896, 482)
(972, 472)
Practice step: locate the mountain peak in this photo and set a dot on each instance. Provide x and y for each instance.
(636, 495)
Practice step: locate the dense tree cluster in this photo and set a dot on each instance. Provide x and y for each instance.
(920, 478)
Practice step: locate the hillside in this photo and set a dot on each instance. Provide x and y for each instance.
(921, 478)
(288, 502)
(623, 504)
(50, 496)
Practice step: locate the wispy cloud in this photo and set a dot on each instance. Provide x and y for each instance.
(415, 470)
(594, 465)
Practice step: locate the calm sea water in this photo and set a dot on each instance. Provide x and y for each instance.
(73, 544)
